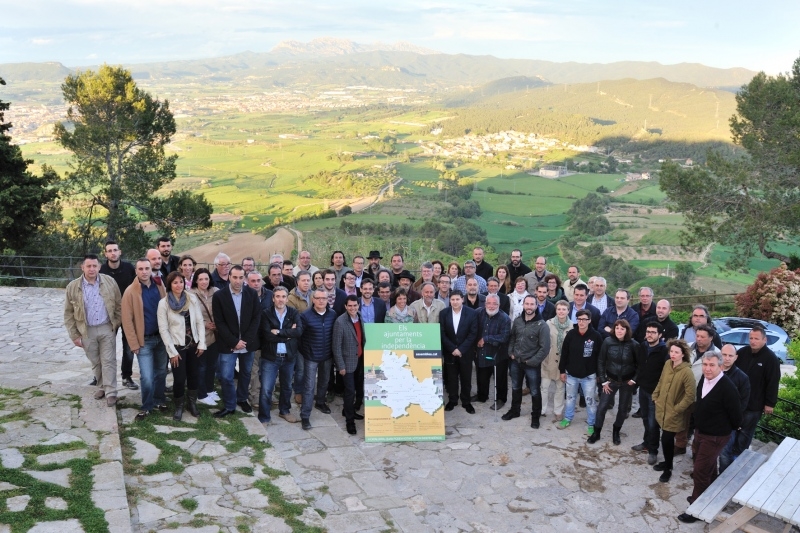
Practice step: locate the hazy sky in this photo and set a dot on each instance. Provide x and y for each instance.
(760, 35)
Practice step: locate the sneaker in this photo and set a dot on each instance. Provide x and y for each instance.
(128, 383)
(141, 415)
(208, 400)
(213, 395)
(306, 423)
(639, 447)
(590, 430)
(92, 382)
(652, 458)
(564, 424)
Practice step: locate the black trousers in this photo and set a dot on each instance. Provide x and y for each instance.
(484, 376)
(459, 371)
(353, 390)
(185, 373)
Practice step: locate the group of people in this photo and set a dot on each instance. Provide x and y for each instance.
(302, 327)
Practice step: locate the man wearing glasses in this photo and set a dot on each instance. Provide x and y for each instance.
(222, 267)
(700, 316)
(460, 284)
(578, 368)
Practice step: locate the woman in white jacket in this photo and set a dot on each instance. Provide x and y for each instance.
(180, 323)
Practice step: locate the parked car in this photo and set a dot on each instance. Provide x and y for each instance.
(728, 323)
(740, 337)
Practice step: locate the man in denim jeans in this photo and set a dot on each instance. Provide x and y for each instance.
(280, 331)
(317, 323)
(237, 314)
(140, 324)
(651, 356)
(578, 367)
(528, 347)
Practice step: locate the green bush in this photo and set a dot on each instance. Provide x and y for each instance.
(786, 417)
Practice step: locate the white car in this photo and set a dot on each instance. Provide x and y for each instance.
(740, 337)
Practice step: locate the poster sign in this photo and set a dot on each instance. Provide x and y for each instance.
(403, 383)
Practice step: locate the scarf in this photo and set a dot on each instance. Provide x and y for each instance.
(179, 306)
(561, 331)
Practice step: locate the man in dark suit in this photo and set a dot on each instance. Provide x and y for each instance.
(459, 327)
(372, 311)
(237, 315)
(546, 308)
(169, 262)
(581, 292)
(348, 353)
(336, 297)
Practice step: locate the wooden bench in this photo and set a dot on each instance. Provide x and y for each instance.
(714, 499)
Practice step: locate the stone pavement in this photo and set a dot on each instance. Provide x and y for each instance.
(488, 475)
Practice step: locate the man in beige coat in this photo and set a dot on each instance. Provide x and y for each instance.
(92, 313)
(427, 308)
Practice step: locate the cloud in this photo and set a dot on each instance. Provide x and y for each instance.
(40, 42)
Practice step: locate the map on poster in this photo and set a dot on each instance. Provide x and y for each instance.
(403, 384)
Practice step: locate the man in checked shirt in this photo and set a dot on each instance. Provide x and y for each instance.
(92, 315)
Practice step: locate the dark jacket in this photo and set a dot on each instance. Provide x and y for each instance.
(464, 339)
(643, 317)
(338, 303)
(558, 297)
(316, 342)
(764, 370)
(495, 332)
(548, 312)
(579, 353)
(230, 328)
(670, 328)
(289, 334)
(380, 309)
(505, 303)
(217, 281)
(480, 301)
(609, 300)
(484, 270)
(592, 309)
(517, 272)
(716, 341)
(650, 361)
(717, 414)
(123, 275)
(265, 299)
(530, 340)
(345, 343)
(742, 384)
(171, 265)
(610, 316)
(617, 360)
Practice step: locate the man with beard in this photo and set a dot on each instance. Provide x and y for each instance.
(537, 275)
(304, 263)
(663, 308)
(492, 354)
(645, 309)
(580, 295)
(482, 268)
(473, 300)
(428, 308)
(652, 354)
(516, 268)
(572, 281)
(169, 262)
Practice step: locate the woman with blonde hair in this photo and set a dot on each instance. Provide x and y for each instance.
(673, 395)
(180, 323)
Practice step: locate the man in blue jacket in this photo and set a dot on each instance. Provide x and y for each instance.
(618, 311)
(317, 323)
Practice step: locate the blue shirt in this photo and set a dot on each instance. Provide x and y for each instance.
(150, 299)
(367, 311)
(281, 345)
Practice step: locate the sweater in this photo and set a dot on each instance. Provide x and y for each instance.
(718, 413)
(650, 361)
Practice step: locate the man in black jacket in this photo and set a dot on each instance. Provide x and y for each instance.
(663, 308)
(578, 367)
(545, 308)
(237, 314)
(528, 347)
(652, 354)
(645, 309)
(716, 415)
(742, 383)
(516, 268)
(580, 294)
(280, 331)
(316, 345)
(124, 274)
(459, 330)
(169, 262)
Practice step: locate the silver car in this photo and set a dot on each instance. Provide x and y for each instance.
(740, 337)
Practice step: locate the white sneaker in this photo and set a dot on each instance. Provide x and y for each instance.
(214, 396)
(208, 400)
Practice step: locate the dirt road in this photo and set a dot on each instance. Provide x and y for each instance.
(241, 245)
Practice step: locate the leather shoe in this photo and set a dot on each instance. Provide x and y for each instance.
(476, 398)
(323, 407)
(356, 416)
(468, 408)
(660, 467)
(687, 518)
(289, 417)
(639, 447)
(499, 404)
(351, 429)
(245, 406)
(223, 413)
(305, 423)
(680, 451)
(111, 401)
(450, 406)
(99, 394)
(665, 475)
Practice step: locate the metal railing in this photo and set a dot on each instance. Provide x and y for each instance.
(26, 270)
(794, 424)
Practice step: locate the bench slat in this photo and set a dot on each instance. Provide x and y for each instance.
(783, 495)
(779, 475)
(709, 504)
(763, 473)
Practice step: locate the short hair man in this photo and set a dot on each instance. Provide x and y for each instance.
(545, 308)
(304, 263)
(716, 414)
(491, 357)
(249, 265)
(645, 309)
(472, 298)
(336, 297)
(528, 347)
(700, 316)
(651, 356)
(349, 284)
(578, 367)
(572, 281)
(482, 268)
(428, 308)
(169, 262)
(663, 308)
(397, 268)
(493, 287)
(92, 315)
(538, 273)
(348, 352)
(579, 302)
(140, 324)
(300, 299)
(742, 383)
(618, 311)
(459, 331)
(222, 268)
(156, 262)
(443, 289)
(599, 298)
(358, 271)
(280, 331)
(316, 347)
(460, 284)
(124, 274)
(385, 295)
(237, 315)
(255, 281)
(372, 310)
(516, 268)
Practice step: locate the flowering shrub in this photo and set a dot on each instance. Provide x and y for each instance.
(774, 297)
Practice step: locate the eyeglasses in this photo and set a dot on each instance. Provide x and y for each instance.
(583, 320)
(223, 264)
(320, 297)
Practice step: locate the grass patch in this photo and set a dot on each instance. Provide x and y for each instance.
(245, 470)
(278, 506)
(190, 504)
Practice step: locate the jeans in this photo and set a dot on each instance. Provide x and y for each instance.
(316, 373)
(268, 373)
(651, 429)
(233, 394)
(153, 372)
(705, 450)
(740, 439)
(127, 359)
(353, 390)
(625, 392)
(588, 386)
(299, 375)
(184, 374)
(206, 370)
(519, 372)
